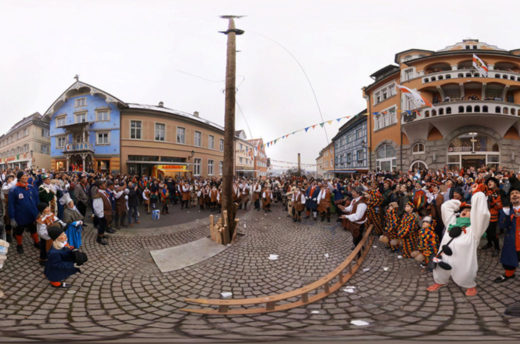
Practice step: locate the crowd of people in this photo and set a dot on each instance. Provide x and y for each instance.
(437, 218)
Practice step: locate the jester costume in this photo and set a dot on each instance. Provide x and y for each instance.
(428, 242)
(391, 223)
(408, 233)
(374, 202)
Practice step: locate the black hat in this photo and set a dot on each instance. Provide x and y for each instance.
(42, 206)
(515, 184)
(19, 174)
(459, 191)
(493, 179)
(54, 230)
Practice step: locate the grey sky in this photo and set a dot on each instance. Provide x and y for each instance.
(147, 51)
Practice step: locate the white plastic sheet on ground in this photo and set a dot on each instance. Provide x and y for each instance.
(359, 323)
(226, 294)
(273, 256)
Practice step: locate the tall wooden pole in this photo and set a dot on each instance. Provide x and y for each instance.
(229, 126)
(299, 167)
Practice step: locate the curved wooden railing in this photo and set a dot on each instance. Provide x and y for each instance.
(330, 283)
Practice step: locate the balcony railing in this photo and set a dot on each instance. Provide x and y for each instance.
(78, 147)
(456, 108)
(469, 73)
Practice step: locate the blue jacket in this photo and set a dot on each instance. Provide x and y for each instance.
(509, 255)
(23, 204)
(60, 264)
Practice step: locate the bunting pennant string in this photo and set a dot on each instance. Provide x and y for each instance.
(306, 129)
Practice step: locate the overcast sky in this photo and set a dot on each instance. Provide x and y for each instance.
(150, 51)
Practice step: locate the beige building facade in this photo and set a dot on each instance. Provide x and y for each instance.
(156, 139)
(26, 144)
(244, 155)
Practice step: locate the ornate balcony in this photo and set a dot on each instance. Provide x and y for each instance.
(468, 73)
(78, 147)
(448, 116)
(462, 107)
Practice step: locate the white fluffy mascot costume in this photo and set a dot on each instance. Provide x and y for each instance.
(457, 256)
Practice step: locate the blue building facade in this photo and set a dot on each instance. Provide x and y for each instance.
(350, 146)
(85, 130)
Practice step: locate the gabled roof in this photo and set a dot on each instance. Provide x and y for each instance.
(174, 112)
(35, 117)
(360, 117)
(383, 72)
(77, 86)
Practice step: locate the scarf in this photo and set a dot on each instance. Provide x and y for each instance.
(22, 185)
(461, 222)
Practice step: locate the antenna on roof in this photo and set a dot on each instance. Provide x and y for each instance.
(76, 77)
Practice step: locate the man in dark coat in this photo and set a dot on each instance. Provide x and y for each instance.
(311, 203)
(511, 248)
(23, 210)
(133, 203)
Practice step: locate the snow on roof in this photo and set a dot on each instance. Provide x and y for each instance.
(174, 112)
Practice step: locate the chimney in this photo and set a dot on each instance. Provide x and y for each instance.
(196, 114)
(161, 104)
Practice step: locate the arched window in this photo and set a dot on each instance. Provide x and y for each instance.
(418, 165)
(485, 108)
(468, 108)
(418, 148)
(477, 108)
(386, 158)
(441, 111)
(427, 113)
(434, 112)
(460, 75)
(513, 112)
(426, 80)
(497, 109)
(505, 111)
(461, 109)
(448, 110)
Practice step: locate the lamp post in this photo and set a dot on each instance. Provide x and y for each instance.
(229, 123)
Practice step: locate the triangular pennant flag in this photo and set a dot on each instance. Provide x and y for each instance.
(314, 126)
(329, 122)
(307, 129)
(267, 144)
(275, 140)
(321, 124)
(294, 132)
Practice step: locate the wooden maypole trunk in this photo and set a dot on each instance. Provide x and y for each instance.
(228, 210)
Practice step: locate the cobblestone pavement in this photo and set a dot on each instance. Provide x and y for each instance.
(121, 296)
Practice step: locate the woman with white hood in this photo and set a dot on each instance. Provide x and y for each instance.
(74, 221)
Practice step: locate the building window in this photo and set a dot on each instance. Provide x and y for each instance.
(220, 167)
(385, 118)
(349, 158)
(160, 131)
(386, 158)
(103, 138)
(60, 121)
(80, 102)
(359, 155)
(240, 159)
(196, 167)
(221, 145)
(210, 167)
(81, 117)
(418, 148)
(197, 140)
(211, 142)
(44, 149)
(45, 132)
(135, 130)
(60, 141)
(103, 116)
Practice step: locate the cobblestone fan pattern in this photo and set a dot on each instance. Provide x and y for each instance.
(121, 293)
